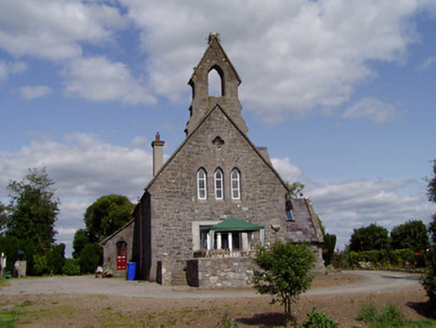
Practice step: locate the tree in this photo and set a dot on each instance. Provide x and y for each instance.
(79, 242)
(329, 248)
(428, 279)
(412, 234)
(106, 215)
(369, 238)
(90, 258)
(431, 193)
(56, 259)
(295, 189)
(431, 187)
(329, 244)
(282, 271)
(3, 218)
(33, 209)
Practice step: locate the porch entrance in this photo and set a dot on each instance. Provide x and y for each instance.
(230, 238)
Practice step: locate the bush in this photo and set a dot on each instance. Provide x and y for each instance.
(428, 279)
(40, 265)
(71, 267)
(318, 320)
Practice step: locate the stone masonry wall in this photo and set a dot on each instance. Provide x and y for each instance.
(224, 272)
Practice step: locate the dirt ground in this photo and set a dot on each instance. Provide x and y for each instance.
(245, 308)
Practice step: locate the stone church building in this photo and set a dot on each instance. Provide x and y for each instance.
(214, 199)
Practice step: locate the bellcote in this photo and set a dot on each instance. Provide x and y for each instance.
(214, 61)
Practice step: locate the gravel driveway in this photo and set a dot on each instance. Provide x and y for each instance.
(371, 282)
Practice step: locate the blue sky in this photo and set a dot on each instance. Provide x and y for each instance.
(341, 93)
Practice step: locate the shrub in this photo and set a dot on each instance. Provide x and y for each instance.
(380, 259)
(71, 267)
(428, 279)
(318, 320)
(40, 265)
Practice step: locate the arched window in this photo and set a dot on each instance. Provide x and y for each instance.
(215, 82)
(201, 184)
(236, 184)
(219, 184)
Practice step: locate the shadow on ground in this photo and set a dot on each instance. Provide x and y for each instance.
(423, 308)
(265, 320)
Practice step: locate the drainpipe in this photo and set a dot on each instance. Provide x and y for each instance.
(157, 154)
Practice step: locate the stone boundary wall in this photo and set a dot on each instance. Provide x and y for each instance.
(220, 272)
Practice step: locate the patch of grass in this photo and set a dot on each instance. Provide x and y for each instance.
(4, 282)
(8, 318)
(117, 319)
(24, 304)
(389, 316)
(226, 322)
(46, 314)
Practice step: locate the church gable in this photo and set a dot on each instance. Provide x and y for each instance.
(217, 144)
(214, 61)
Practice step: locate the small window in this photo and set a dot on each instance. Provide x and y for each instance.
(289, 211)
(236, 184)
(218, 184)
(201, 184)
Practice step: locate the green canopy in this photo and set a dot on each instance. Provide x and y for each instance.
(233, 224)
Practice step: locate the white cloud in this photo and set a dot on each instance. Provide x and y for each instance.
(372, 109)
(8, 68)
(53, 29)
(30, 93)
(288, 171)
(99, 79)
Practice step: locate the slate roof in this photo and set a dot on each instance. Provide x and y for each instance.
(305, 226)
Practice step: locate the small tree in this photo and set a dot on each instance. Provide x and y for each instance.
(282, 271)
(295, 190)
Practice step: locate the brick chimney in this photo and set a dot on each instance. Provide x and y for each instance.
(157, 154)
